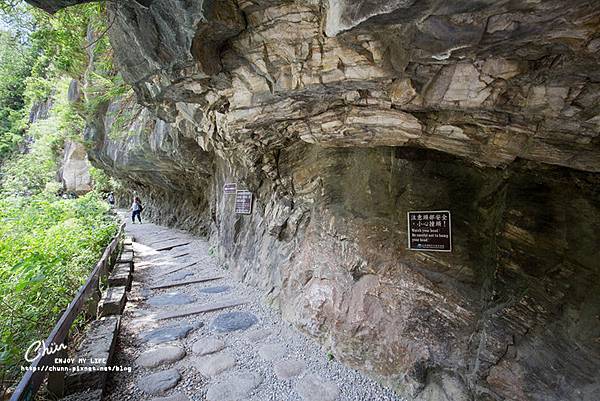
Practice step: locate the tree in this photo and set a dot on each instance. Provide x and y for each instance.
(15, 67)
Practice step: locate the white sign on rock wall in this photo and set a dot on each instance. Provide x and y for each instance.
(243, 202)
(230, 188)
(430, 231)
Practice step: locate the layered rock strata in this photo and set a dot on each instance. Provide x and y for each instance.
(340, 116)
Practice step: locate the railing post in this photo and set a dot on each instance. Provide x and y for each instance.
(56, 380)
(91, 307)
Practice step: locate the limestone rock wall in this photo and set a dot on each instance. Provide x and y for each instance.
(167, 168)
(484, 322)
(340, 116)
(75, 169)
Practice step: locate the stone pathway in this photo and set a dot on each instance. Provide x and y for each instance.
(214, 340)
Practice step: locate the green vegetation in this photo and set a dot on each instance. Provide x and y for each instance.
(48, 245)
(102, 182)
(41, 49)
(14, 69)
(30, 172)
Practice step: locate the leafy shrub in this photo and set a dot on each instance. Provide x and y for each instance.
(48, 246)
(102, 182)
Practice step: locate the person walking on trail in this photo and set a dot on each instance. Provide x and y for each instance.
(111, 199)
(136, 209)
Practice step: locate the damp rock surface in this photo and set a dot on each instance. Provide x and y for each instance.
(165, 334)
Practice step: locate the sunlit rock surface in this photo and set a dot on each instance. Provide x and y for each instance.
(75, 169)
(341, 116)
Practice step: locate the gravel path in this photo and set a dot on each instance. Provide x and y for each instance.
(244, 352)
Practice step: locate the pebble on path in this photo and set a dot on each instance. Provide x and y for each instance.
(236, 388)
(233, 321)
(173, 397)
(207, 346)
(312, 388)
(271, 352)
(212, 365)
(288, 369)
(160, 356)
(166, 334)
(160, 382)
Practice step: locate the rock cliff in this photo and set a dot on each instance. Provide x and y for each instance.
(75, 169)
(341, 116)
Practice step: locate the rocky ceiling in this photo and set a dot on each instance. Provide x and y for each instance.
(490, 81)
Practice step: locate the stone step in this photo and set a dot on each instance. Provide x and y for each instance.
(161, 240)
(182, 275)
(290, 368)
(171, 298)
(124, 265)
(233, 321)
(192, 281)
(113, 301)
(176, 269)
(213, 365)
(208, 346)
(120, 277)
(180, 255)
(160, 355)
(196, 309)
(168, 247)
(126, 257)
(171, 245)
(237, 387)
(93, 356)
(312, 387)
(215, 290)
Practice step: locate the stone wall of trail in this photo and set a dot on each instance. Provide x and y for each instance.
(341, 117)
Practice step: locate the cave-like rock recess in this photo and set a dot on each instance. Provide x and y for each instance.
(341, 116)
